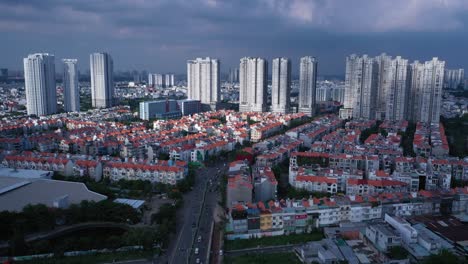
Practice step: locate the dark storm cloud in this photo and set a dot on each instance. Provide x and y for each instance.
(162, 35)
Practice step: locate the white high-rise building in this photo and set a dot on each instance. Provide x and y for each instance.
(338, 93)
(203, 81)
(426, 90)
(383, 63)
(71, 91)
(102, 83)
(308, 85)
(253, 78)
(360, 88)
(39, 83)
(454, 78)
(397, 87)
(280, 85)
(169, 80)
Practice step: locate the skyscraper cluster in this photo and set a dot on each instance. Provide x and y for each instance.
(40, 85)
(161, 80)
(392, 89)
(102, 80)
(253, 80)
(203, 81)
(453, 79)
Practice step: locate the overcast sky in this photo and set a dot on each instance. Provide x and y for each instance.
(160, 35)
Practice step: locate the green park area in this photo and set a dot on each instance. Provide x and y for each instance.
(272, 241)
(275, 258)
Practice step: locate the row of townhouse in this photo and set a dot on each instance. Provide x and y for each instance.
(259, 132)
(344, 162)
(430, 140)
(456, 168)
(278, 154)
(168, 172)
(247, 220)
(29, 126)
(61, 165)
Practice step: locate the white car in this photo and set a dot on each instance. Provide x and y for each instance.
(197, 261)
(196, 251)
(220, 252)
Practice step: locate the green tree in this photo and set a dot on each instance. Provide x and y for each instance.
(445, 257)
(142, 236)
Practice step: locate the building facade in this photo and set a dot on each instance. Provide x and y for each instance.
(71, 90)
(159, 109)
(360, 87)
(307, 85)
(189, 107)
(280, 85)
(39, 82)
(253, 78)
(383, 62)
(102, 80)
(426, 90)
(203, 81)
(397, 87)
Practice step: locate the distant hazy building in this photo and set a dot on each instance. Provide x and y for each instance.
(454, 78)
(383, 62)
(71, 91)
(234, 75)
(168, 80)
(39, 82)
(253, 77)
(322, 93)
(137, 78)
(397, 87)
(426, 91)
(307, 85)
(3, 74)
(203, 81)
(280, 85)
(360, 87)
(102, 83)
(338, 93)
(161, 80)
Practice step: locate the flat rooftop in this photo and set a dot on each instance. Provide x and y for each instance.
(25, 174)
(16, 193)
(448, 226)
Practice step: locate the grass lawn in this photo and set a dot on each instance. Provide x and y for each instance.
(96, 258)
(272, 241)
(275, 258)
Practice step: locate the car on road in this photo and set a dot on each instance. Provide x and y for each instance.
(220, 252)
(196, 251)
(199, 239)
(197, 261)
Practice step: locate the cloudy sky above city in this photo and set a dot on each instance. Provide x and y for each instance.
(161, 35)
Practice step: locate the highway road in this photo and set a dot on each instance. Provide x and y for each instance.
(195, 217)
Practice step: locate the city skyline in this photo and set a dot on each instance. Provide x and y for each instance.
(324, 30)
